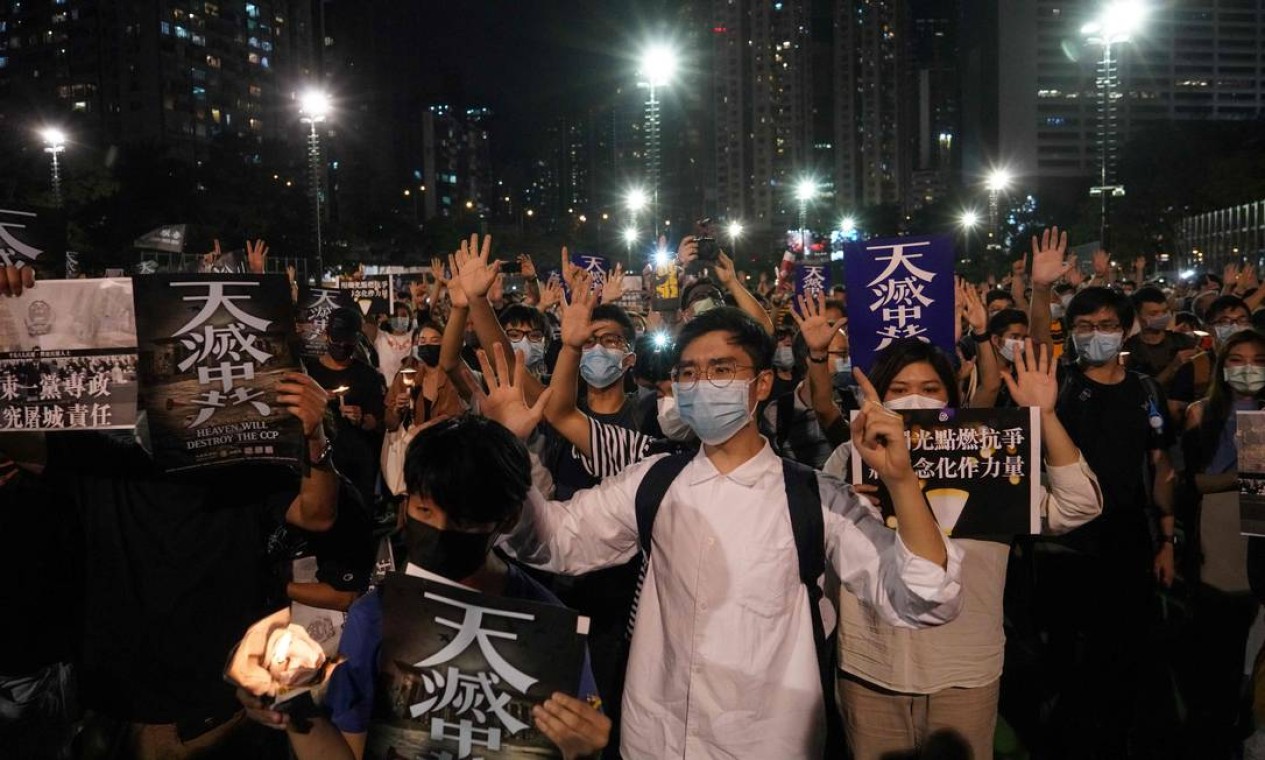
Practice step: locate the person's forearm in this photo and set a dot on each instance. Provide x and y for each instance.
(489, 331)
(915, 523)
(1221, 483)
(750, 305)
(821, 393)
(392, 412)
(1016, 292)
(1165, 378)
(316, 506)
(560, 410)
(323, 742)
(1060, 450)
(1253, 301)
(1162, 488)
(989, 375)
(533, 290)
(1168, 525)
(320, 595)
(1039, 317)
(454, 338)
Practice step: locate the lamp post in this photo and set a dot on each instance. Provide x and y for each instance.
(1117, 23)
(55, 143)
(998, 181)
(967, 221)
(805, 192)
(314, 107)
(658, 66)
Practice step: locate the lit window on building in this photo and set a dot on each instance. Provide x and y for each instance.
(252, 10)
(182, 33)
(199, 93)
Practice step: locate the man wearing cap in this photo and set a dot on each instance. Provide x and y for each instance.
(357, 396)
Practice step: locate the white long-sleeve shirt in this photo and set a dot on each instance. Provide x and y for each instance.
(723, 662)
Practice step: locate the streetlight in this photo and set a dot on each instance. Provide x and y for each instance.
(658, 66)
(54, 143)
(630, 237)
(1117, 23)
(997, 182)
(735, 231)
(314, 107)
(805, 192)
(968, 221)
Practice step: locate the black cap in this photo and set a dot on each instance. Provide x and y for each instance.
(344, 325)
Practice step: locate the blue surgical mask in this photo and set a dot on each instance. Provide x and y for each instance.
(714, 414)
(602, 367)
(1008, 348)
(1099, 347)
(533, 353)
(783, 357)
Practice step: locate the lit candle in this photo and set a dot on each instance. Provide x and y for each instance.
(281, 652)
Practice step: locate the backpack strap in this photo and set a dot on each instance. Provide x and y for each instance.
(650, 492)
(785, 412)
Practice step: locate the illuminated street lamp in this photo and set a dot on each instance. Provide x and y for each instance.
(658, 67)
(314, 107)
(734, 229)
(968, 221)
(1117, 23)
(998, 181)
(805, 192)
(630, 237)
(54, 143)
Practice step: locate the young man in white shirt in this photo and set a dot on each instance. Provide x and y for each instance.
(723, 660)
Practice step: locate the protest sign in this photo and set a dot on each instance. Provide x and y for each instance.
(368, 290)
(1249, 438)
(460, 671)
(980, 470)
(212, 349)
(68, 357)
(598, 267)
(667, 288)
(315, 306)
(32, 236)
(899, 288)
(812, 279)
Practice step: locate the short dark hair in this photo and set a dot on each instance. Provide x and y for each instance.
(903, 352)
(1005, 318)
(1187, 318)
(473, 468)
(518, 314)
(1093, 299)
(613, 312)
(654, 363)
(1224, 303)
(1148, 294)
(425, 323)
(743, 331)
(344, 323)
(1064, 287)
(999, 295)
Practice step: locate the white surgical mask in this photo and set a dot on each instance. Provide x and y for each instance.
(913, 401)
(1009, 347)
(670, 421)
(1225, 331)
(783, 357)
(1098, 348)
(1248, 379)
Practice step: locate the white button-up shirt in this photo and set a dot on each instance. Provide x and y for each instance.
(723, 662)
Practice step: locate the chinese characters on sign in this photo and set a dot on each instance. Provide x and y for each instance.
(598, 267)
(979, 469)
(460, 672)
(315, 306)
(68, 357)
(812, 279)
(370, 290)
(899, 288)
(33, 237)
(211, 349)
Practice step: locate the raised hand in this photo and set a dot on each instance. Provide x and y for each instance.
(1247, 277)
(577, 315)
(813, 325)
(576, 727)
(972, 307)
(878, 435)
(568, 270)
(550, 294)
(456, 293)
(1047, 257)
(504, 401)
(724, 269)
(1017, 269)
(686, 251)
(1102, 263)
(1139, 266)
(527, 266)
(292, 274)
(256, 256)
(613, 287)
(1034, 383)
(304, 398)
(473, 271)
(497, 291)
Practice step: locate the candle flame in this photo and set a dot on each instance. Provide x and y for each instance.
(340, 390)
(281, 652)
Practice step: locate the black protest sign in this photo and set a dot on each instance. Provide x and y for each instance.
(369, 291)
(32, 236)
(980, 470)
(315, 306)
(212, 350)
(68, 357)
(460, 671)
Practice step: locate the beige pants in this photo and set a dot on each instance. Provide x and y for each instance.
(879, 722)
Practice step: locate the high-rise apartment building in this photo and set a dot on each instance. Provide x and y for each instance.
(1030, 88)
(172, 73)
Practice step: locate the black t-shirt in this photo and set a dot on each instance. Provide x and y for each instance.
(1152, 360)
(1116, 428)
(344, 554)
(174, 572)
(562, 460)
(356, 451)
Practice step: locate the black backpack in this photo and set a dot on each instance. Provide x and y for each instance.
(804, 501)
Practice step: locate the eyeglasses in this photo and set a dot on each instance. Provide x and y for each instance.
(720, 374)
(535, 336)
(1241, 322)
(610, 340)
(1084, 328)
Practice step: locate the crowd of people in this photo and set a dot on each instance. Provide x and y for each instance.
(682, 479)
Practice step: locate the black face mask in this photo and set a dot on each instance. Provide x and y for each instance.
(450, 553)
(428, 355)
(341, 352)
